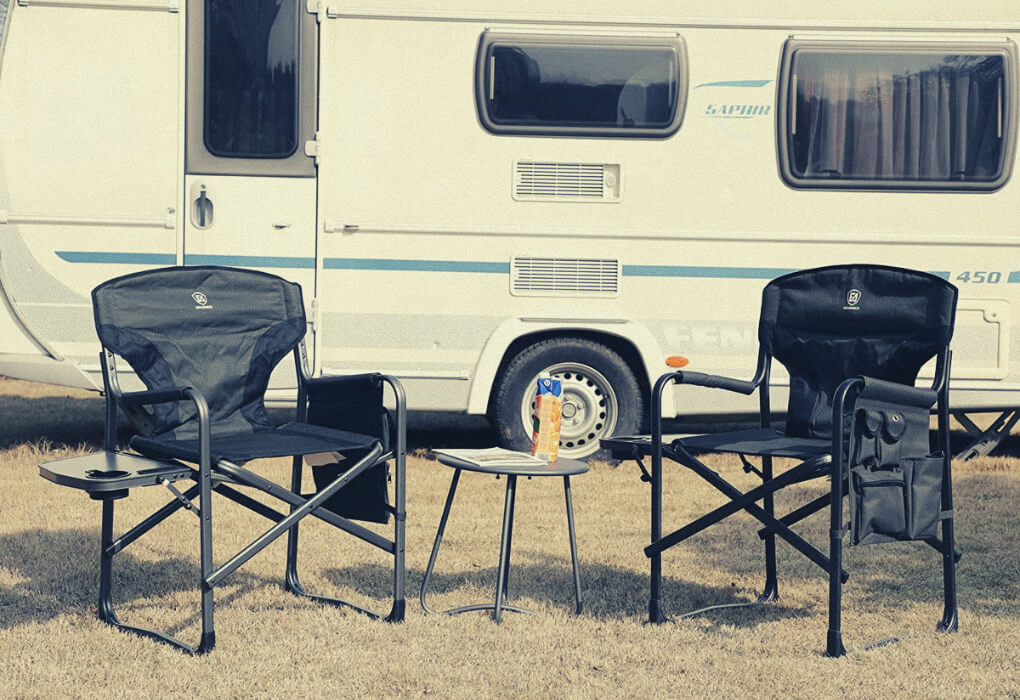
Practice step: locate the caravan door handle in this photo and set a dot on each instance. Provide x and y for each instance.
(202, 210)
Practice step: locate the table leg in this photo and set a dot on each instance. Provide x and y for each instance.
(439, 539)
(504, 545)
(573, 542)
(509, 543)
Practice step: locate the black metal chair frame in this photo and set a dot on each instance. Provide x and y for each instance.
(222, 476)
(819, 458)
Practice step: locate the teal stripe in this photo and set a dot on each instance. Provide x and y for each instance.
(402, 265)
(745, 273)
(81, 256)
(301, 263)
(736, 83)
(415, 265)
(1014, 277)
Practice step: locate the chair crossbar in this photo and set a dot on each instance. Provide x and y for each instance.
(804, 511)
(248, 478)
(248, 502)
(263, 541)
(150, 522)
(743, 501)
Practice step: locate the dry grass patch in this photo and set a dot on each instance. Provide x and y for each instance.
(270, 643)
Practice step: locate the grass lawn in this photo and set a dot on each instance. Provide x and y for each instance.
(271, 644)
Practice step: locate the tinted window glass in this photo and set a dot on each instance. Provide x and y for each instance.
(251, 58)
(897, 117)
(558, 86)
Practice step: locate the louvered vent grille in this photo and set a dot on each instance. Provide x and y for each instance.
(572, 182)
(564, 277)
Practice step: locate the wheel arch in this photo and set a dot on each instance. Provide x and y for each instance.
(632, 341)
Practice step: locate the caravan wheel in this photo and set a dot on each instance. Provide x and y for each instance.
(601, 396)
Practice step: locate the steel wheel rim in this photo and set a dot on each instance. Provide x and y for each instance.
(590, 407)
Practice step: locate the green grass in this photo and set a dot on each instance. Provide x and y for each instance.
(271, 644)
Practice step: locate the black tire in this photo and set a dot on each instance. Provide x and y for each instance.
(603, 394)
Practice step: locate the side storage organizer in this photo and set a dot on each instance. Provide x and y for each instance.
(895, 484)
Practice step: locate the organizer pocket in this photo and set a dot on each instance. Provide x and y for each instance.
(925, 497)
(880, 504)
(898, 502)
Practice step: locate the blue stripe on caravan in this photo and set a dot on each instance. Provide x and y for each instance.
(1014, 277)
(301, 263)
(415, 265)
(735, 83)
(82, 256)
(747, 273)
(398, 265)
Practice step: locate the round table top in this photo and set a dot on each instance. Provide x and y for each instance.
(561, 467)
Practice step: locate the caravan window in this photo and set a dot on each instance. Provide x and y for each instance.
(251, 86)
(581, 86)
(897, 116)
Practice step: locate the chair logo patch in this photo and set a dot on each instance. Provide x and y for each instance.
(853, 298)
(202, 300)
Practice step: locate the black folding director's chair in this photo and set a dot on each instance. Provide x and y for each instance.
(853, 339)
(205, 340)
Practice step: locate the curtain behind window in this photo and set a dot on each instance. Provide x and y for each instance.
(928, 118)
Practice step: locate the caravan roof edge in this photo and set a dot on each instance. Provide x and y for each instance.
(867, 15)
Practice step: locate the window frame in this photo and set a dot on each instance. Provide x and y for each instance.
(596, 41)
(199, 160)
(784, 101)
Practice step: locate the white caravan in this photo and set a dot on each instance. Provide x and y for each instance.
(471, 192)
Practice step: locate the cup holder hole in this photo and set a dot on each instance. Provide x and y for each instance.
(105, 474)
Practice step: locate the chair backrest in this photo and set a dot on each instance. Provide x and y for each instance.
(831, 323)
(219, 330)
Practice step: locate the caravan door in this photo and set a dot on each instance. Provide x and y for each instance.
(89, 177)
(249, 188)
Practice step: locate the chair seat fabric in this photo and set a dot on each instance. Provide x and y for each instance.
(759, 441)
(284, 441)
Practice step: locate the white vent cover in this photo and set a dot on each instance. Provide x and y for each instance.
(564, 277)
(566, 182)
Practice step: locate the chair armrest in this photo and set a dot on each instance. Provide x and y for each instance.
(852, 390)
(893, 392)
(335, 386)
(186, 393)
(714, 381)
(155, 396)
(696, 379)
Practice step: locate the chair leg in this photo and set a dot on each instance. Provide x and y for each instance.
(834, 641)
(106, 613)
(770, 592)
(106, 608)
(655, 614)
(205, 535)
(399, 527)
(293, 580)
(950, 616)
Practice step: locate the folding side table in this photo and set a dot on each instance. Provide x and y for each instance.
(562, 467)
